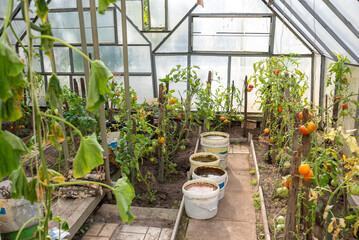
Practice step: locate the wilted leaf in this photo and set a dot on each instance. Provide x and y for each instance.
(342, 222)
(55, 135)
(330, 227)
(103, 4)
(46, 43)
(88, 156)
(19, 185)
(99, 76)
(10, 110)
(11, 147)
(124, 194)
(42, 9)
(10, 71)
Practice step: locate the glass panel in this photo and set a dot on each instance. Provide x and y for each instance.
(139, 59)
(286, 42)
(112, 57)
(177, 9)
(178, 41)
(64, 81)
(240, 68)
(350, 10)
(62, 59)
(134, 12)
(336, 24)
(230, 6)
(142, 86)
(217, 65)
(231, 34)
(155, 37)
(157, 13)
(133, 35)
(165, 64)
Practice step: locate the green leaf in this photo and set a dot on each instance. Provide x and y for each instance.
(124, 193)
(11, 147)
(103, 4)
(19, 184)
(99, 76)
(42, 9)
(53, 92)
(10, 71)
(46, 43)
(88, 156)
(10, 110)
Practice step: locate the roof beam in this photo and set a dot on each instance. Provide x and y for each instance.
(305, 25)
(329, 30)
(342, 18)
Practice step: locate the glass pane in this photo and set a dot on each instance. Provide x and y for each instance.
(231, 6)
(165, 64)
(142, 85)
(177, 9)
(155, 37)
(139, 59)
(286, 42)
(178, 41)
(62, 59)
(350, 9)
(133, 35)
(157, 13)
(112, 56)
(134, 12)
(231, 34)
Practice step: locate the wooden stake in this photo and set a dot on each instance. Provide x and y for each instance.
(290, 224)
(160, 122)
(245, 107)
(306, 141)
(231, 106)
(83, 88)
(134, 132)
(76, 87)
(209, 84)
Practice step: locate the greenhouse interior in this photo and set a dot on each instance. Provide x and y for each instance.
(179, 119)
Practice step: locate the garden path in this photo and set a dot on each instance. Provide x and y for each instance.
(236, 217)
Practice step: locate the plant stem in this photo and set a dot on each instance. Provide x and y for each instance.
(7, 18)
(64, 121)
(18, 39)
(36, 110)
(23, 226)
(66, 44)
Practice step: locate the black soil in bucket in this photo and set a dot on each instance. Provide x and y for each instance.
(206, 171)
(205, 158)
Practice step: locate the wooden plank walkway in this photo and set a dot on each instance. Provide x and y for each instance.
(236, 218)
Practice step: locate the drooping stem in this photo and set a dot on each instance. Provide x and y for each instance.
(64, 121)
(80, 183)
(36, 108)
(66, 44)
(25, 224)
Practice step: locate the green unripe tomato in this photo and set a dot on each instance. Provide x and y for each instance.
(286, 164)
(164, 150)
(354, 189)
(281, 220)
(333, 183)
(56, 111)
(183, 147)
(152, 159)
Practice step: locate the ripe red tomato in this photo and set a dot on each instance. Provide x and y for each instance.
(223, 118)
(249, 89)
(179, 117)
(344, 80)
(20, 126)
(276, 72)
(308, 177)
(345, 106)
(11, 128)
(250, 86)
(266, 131)
(271, 140)
(280, 109)
(300, 115)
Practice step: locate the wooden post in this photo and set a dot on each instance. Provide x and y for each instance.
(290, 224)
(83, 88)
(306, 141)
(231, 106)
(76, 87)
(245, 107)
(336, 107)
(134, 132)
(160, 122)
(96, 50)
(209, 86)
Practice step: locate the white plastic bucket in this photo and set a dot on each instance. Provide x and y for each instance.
(203, 159)
(217, 143)
(199, 200)
(215, 174)
(15, 212)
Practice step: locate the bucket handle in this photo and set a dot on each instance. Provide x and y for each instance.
(211, 210)
(225, 181)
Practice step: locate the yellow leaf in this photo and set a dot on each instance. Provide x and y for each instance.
(58, 179)
(342, 222)
(313, 195)
(330, 227)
